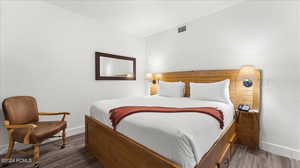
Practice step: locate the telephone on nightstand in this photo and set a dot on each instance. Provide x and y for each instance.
(244, 107)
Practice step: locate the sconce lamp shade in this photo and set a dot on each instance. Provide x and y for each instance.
(247, 74)
(153, 77)
(149, 76)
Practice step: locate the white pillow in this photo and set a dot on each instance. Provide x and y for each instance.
(171, 89)
(218, 91)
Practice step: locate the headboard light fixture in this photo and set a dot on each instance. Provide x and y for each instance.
(153, 77)
(247, 75)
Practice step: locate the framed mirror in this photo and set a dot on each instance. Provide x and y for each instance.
(114, 67)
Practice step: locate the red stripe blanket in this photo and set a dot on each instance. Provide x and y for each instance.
(117, 114)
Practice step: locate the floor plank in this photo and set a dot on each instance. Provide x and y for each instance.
(245, 158)
(76, 156)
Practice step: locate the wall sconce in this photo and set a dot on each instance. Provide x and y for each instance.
(151, 76)
(247, 75)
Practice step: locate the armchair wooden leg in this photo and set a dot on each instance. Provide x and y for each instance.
(36, 155)
(10, 149)
(63, 139)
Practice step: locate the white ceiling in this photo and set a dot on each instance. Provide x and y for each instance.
(143, 18)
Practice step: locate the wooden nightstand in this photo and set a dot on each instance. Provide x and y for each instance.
(248, 129)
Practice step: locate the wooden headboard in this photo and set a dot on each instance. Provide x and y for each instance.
(238, 93)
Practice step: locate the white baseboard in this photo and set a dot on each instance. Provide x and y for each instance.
(280, 150)
(19, 146)
(75, 130)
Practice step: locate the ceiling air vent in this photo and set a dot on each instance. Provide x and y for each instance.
(182, 29)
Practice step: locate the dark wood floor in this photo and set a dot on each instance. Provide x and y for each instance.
(75, 156)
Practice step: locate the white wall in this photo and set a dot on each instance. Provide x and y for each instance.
(1, 72)
(1, 44)
(49, 54)
(264, 34)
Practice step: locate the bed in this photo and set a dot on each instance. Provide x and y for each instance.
(172, 141)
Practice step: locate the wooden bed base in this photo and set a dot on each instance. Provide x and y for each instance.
(114, 150)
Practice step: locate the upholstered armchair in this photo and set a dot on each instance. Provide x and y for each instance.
(23, 125)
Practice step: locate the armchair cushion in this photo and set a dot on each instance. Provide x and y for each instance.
(44, 130)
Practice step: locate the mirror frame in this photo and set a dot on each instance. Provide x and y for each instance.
(97, 66)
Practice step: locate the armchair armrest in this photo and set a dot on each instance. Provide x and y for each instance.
(12, 127)
(9, 126)
(57, 113)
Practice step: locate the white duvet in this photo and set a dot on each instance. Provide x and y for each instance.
(181, 137)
